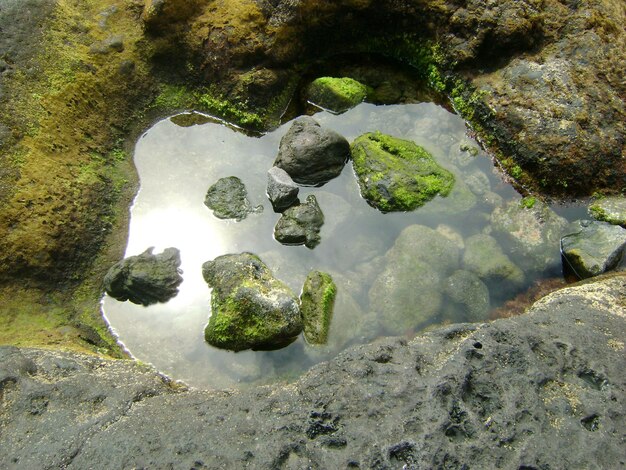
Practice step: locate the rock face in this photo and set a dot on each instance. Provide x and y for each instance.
(610, 209)
(281, 189)
(591, 248)
(316, 304)
(146, 278)
(250, 309)
(542, 390)
(396, 174)
(228, 199)
(301, 224)
(311, 154)
(336, 94)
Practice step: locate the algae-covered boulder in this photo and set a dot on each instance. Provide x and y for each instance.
(336, 94)
(250, 309)
(396, 174)
(145, 279)
(484, 256)
(228, 199)
(408, 293)
(301, 224)
(312, 154)
(609, 209)
(316, 303)
(591, 247)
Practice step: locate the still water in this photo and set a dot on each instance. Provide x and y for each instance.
(176, 166)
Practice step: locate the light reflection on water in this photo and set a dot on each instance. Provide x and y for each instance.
(176, 166)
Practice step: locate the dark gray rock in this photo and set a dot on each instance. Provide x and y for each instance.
(146, 278)
(311, 154)
(465, 289)
(301, 224)
(228, 199)
(250, 309)
(281, 189)
(543, 390)
(591, 248)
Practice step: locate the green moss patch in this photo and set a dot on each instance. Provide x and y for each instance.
(317, 304)
(336, 94)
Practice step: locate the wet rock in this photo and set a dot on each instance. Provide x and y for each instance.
(478, 182)
(316, 304)
(145, 279)
(407, 294)
(591, 248)
(281, 189)
(396, 174)
(336, 94)
(311, 154)
(250, 309)
(301, 224)
(484, 256)
(467, 290)
(459, 201)
(610, 209)
(532, 232)
(228, 199)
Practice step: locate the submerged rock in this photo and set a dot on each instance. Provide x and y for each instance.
(301, 224)
(591, 248)
(336, 94)
(408, 293)
(311, 154)
(609, 209)
(228, 199)
(396, 174)
(281, 189)
(316, 303)
(145, 279)
(250, 309)
(532, 231)
(484, 256)
(467, 290)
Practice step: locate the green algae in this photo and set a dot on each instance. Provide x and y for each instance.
(337, 94)
(317, 304)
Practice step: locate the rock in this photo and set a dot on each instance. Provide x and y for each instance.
(336, 94)
(145, 279)
(478, 182)
(591, 248)
(609, 209)
(316, 304)
(466, 289)
(281, 189)
(110, 44)
(311, 154)
(161, 15)
(532, 232)
(484, 256)
(228, 199)
(407, 294)
(396, 174)
(301, 224)
(250, 309)
(459, 201)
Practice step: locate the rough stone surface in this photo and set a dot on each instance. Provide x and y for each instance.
(146, 278)
(396, 174)
(301, 224)
(610, 209)
(591, 248)
(543, 390)
(336, 94)
(312, 154)
(281, 189)
(466, 290)
(250, 309)
(316, 304)
(228, 199)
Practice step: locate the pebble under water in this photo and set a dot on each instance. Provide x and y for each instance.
(176, 166)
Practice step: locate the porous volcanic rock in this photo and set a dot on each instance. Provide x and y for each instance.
(301, 224)
(228, 199)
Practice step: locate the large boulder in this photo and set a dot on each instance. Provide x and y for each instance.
(300, 224)
(336, 94)
(591, 248)
(228, 199)
(250, 309)
(610, 209)
(396, 174)
(145, 279)
(312, 154)
(317, 303)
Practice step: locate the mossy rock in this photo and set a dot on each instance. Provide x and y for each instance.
(609, 209)
(336, 94)
(317, 303)
(396, 174)
(250, 309)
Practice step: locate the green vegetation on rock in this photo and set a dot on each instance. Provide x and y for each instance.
(396, 174)
(316, 304)
(336, 94)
